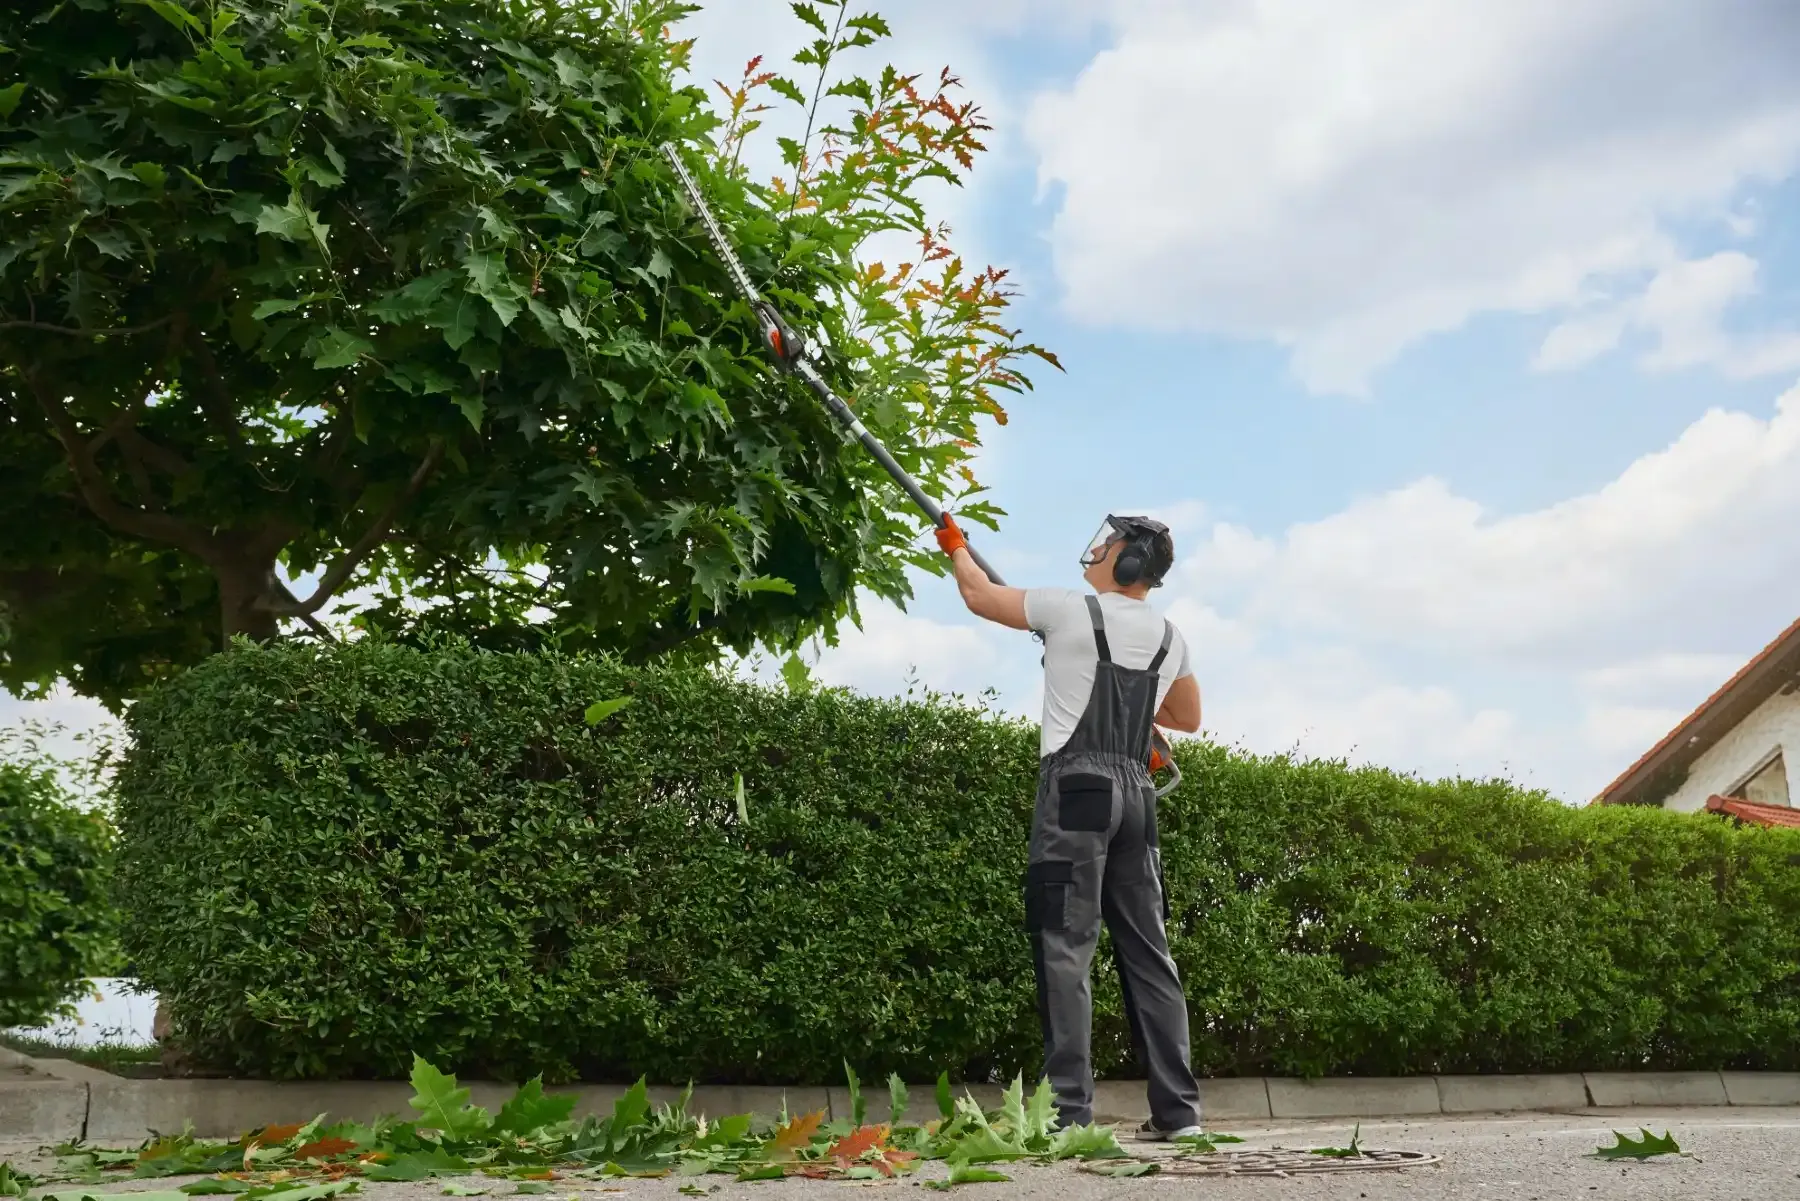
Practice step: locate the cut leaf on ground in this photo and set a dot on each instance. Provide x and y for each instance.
(962, 1173)
(1644, 1148)
(1137, 1167)
(1353, 1151)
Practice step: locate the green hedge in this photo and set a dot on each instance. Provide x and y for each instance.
(334, 858)
(57, 921)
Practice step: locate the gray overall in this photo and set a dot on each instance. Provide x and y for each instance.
(1094, 855)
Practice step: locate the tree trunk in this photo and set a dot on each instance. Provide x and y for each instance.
(245, 591)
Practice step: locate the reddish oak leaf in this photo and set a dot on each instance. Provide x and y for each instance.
(857, 1143)
(325, 1148)
(270, 1136)
(892, 1161)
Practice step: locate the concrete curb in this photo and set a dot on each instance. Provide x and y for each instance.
(1354, 1097)
(1628, 1090)
(1243, 1099)
(1762, 1088)
(1511, 1094)
(55, 1100)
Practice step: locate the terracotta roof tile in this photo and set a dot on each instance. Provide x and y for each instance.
(1750, 811)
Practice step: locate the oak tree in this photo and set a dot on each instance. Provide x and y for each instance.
(398, 296)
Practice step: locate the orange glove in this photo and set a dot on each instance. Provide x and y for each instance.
(950, 536)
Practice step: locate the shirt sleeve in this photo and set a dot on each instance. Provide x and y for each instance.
(1047, 609)
(1183, 668)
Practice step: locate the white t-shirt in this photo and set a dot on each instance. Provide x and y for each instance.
(1134, 633)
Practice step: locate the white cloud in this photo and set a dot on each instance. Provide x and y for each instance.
(1418, 630)
(1684, 304)
(1627, 731)
(1349, 178)
(1684, 309)
(1331, 701)
(1701, 527)
(1581, 339)
(1659, 676)
(62, 725)
(893, 646)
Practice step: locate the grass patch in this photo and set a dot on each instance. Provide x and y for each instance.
(108, 1055)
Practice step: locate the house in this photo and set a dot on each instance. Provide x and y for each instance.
(1738, 754)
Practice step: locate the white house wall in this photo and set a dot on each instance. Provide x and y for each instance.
(1774, 723)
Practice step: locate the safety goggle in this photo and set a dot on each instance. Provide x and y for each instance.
(1097, 546)
(1117, 529)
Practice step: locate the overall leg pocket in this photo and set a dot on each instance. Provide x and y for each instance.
(1162, 885)
(1084, 803)
(1047, 888)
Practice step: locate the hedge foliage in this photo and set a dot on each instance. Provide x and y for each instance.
(57, 920)
(333, 858)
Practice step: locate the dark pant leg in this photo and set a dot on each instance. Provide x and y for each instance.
(1131, 898)
(1062, 906)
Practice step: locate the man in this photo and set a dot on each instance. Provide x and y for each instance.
(1112, 666)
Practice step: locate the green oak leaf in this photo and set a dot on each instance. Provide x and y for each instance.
(530, 1109)
(443, 1106)
(1086, 1142)
(1137, 1167)
(1643, 1148)
(340, 349)
(417, 1165)
(963, 1173)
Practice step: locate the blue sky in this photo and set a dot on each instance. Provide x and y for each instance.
(1453, 340)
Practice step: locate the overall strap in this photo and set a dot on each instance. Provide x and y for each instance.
(1100, 647)
(1163, 652)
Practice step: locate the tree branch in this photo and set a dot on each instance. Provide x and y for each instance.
(167, 461)
(334, 440)
(126, 417)
(90, 481)
(139, 452)
(120, 331)
(312, 623)
(347, 563)
(140, 478)
(215, 398)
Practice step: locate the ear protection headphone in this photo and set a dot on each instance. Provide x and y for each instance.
(1132, 561)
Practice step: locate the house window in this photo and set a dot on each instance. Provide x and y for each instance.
(1767, 785)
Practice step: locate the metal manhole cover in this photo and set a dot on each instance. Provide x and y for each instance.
(1269, 1163)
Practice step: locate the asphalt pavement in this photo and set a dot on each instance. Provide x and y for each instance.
(1729, 1155)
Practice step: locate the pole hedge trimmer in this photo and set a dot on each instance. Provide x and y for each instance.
(793, 356)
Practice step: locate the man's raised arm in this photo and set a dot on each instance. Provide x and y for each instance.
(986, 599)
